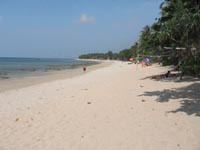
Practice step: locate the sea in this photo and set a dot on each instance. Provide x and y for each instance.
(11, 67)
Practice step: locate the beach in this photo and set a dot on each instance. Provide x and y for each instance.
(111, 107)
(37, 77)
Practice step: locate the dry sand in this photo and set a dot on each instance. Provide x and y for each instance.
(111, 108)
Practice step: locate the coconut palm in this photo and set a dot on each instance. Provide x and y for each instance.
(178, 26)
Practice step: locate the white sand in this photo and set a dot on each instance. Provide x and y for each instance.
(111, 108)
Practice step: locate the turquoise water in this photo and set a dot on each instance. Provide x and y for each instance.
(16, 67)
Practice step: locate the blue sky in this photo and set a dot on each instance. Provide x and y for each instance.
(68, 28)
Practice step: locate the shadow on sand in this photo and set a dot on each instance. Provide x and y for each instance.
(173, 78)
(189, 96)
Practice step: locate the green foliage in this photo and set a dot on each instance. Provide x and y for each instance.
(178, 26)
(191, 66)
(110, 55)
(124, 55)
(93, 56)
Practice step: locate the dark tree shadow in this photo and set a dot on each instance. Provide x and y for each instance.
(173, 78)
(189, 95)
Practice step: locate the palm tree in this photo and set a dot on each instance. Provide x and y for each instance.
(178, 26)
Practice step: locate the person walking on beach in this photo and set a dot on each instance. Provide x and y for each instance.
(84, 68)
(143, 64)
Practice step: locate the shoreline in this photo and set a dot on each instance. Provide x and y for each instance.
(43, 77)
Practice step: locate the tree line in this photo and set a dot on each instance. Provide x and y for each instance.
(124, 55)
(174, 37)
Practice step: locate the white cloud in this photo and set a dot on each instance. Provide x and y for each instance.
(84, 18)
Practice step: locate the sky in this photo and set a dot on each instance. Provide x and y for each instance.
(69, 28)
